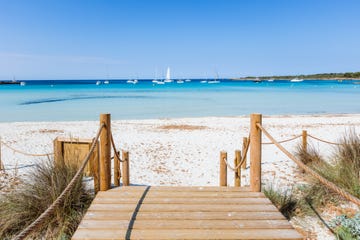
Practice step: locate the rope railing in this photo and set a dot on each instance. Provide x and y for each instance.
(324, 181)
(25, 153)
(50, 210)
(283, 141)
(324, 141)
(242, 159)
(116, 154)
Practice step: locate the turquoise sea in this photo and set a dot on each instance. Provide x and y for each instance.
(60, 100)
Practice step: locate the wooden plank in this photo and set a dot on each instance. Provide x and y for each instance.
(158, 194)
(186, 224)
(285, 234)
(115, 208)
(147, 200)
(108, 215)
(181, 189)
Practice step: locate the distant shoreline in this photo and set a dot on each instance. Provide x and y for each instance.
(287, 79)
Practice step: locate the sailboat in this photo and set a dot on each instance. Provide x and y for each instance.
(168, 79)
(215, 80)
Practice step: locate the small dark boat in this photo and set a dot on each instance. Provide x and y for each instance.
(9, 82)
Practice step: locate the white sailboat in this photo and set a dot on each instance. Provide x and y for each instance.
(98, 82)
(168, 79)
(155, 80)
(215, 80)
(180, 81)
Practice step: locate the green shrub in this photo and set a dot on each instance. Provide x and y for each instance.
(347, 228)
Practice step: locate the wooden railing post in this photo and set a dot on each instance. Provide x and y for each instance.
(245, 142)
(223, 169)
(304, 140)
(125, 168)
(105, 153)
(255, 153)
(117, 174)
(237, 177)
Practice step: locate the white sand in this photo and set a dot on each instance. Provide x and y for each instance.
(182, 157)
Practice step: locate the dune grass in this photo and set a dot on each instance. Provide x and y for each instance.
(42, 186)
(342, 169)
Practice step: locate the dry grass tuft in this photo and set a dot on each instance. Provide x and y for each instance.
(21, 207)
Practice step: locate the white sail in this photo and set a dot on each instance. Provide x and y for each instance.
(168, 79)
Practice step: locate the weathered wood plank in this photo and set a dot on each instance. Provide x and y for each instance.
(107, 215)
(186, 224)
(284, 234)
(115, 208)
(181, 189)
(118, 200)
(184, 194)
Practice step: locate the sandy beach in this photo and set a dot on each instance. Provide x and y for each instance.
(185, 151)
(180, 151)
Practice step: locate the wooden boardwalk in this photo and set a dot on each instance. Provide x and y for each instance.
(183, 213)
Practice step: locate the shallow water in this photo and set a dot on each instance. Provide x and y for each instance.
(84, 100)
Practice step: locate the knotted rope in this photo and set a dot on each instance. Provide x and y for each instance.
(324, 181)
(50, 210)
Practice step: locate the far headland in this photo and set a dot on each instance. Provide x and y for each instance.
(318, 76)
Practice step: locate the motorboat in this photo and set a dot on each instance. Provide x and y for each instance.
(132, 81)
(296, 80)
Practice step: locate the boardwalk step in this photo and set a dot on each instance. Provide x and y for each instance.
(274, 234)
(183, 213)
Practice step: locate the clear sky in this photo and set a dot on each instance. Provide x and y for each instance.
(97, 39)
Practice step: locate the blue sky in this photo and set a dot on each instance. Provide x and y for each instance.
(83, 39)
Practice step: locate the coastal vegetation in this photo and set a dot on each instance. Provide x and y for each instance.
(343, 170)
(335, 76)
(35, 194)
